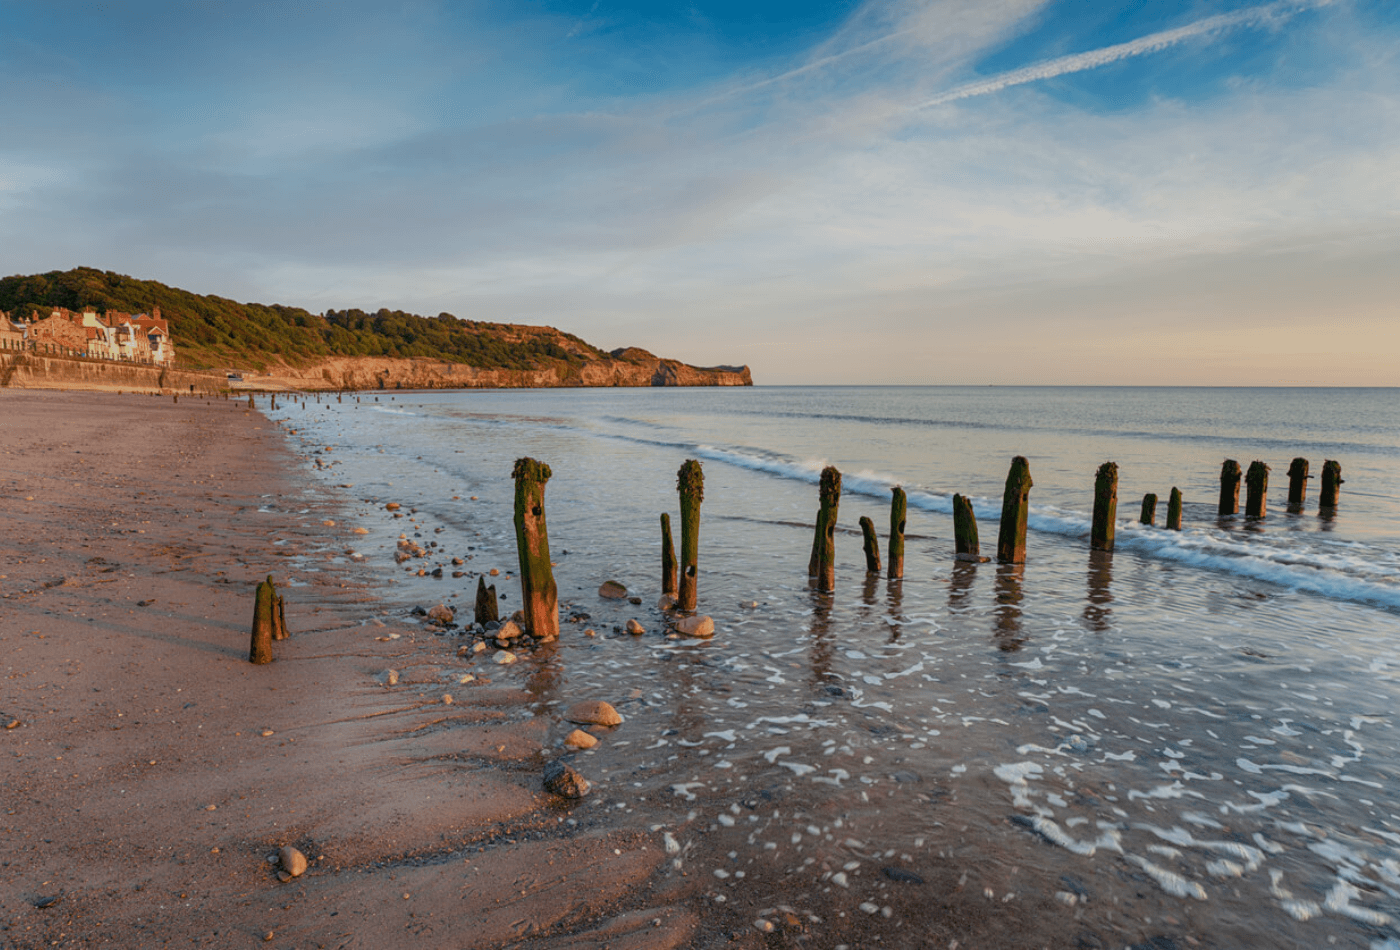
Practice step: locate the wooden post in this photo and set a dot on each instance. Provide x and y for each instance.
(1174, 510)
(822, 564)
(1230, 488)
(1149, 510)
(872, 545)
(537, 588)
(486, 611)
(251, 404)
(1105, 507)
(1256, 495)
(264, 623)
(279, 617)
(1298, 483)
(899, 509)
(690, 482)
(1015, 507)
(965, 530)
(1332, 482)
(668, 558)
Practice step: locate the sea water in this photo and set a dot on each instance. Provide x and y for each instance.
(1192, 737)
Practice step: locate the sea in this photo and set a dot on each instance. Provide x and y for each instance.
(1189, 741)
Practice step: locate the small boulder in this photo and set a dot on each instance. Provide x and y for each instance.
(635, 628)
(293, 863)
(612, 590)
(505, 657)
(391, 677)
(701, 626)
(667, 602)
(593, 713)
(578, 739)
(509, 631)
(441, 614)
(564, 781)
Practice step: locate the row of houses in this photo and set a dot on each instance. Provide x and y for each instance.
(140, 338)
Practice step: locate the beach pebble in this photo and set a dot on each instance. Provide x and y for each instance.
(362, 531)
(593, 713)
(635, 628)
(391, 677)
(505, 657)
(612, 590)
(441, 614)
(293, 862)
(328, 523)
(495, 572)
(458, 561)
(509, 631)
(447, 699)
(465, 678)
(763, 926)
(392, 506)
(748, 604)
(578, 739)
(667, 602)
(564, 780)
(869, 908)
(464, 650)
(699, 626)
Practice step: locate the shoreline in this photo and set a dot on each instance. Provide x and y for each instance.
(153, 769)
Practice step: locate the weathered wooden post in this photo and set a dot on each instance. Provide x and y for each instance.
(251, 404)
(537, 588)
(1149, 510)
(264, 623)
(1015, 508)
(872, 545)
(1174, 510)
(1230, 488)
(1298, 483)
(690, 482)
(1332, 482)
(1257, 490)
(1105, 507)
(899, 510)
(279, 614)
(486, 610)
(965, 530)
(668, 558)
(822, 564)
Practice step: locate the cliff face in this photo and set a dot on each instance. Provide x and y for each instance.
(638, 368)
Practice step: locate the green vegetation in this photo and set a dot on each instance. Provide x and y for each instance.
(213, 331)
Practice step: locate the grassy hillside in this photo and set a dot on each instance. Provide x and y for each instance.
(213, 331)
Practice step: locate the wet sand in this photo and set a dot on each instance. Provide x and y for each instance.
(149, 770)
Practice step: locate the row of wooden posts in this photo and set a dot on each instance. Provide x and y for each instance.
(679, 577)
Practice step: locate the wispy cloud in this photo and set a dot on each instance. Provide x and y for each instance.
(1152, 43)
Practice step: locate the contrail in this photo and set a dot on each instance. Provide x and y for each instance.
(1078, 62)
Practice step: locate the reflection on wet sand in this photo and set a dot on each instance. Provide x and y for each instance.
(1096, 610)
(960, 585)
(823, 646)
(895, 599)
(1007, 624)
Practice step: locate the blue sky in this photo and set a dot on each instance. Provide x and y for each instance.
(945, 191)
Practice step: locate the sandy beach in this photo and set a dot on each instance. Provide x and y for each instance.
(150, 770)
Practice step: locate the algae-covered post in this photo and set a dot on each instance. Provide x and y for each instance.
(537, 587)
(899, 509)
(968, 548)
(1015, 508)
(822, 564)
(251, 404)
(872, 545)
(1149, 510)
(1298, 483)
(1331, 484)
(1257, 490)
(690, 482)
(1230, 487)
(264, 623)
(1105, 507)
(486, 610)
(1174, 510)
(668, 558)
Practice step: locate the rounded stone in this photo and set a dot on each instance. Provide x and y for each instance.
(700, 626)
(565, 781)
(578, 739)
(612, 590)
(593, 713)
(293, 861)
(635, 628)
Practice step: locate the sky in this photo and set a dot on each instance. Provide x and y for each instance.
(1173, 192)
